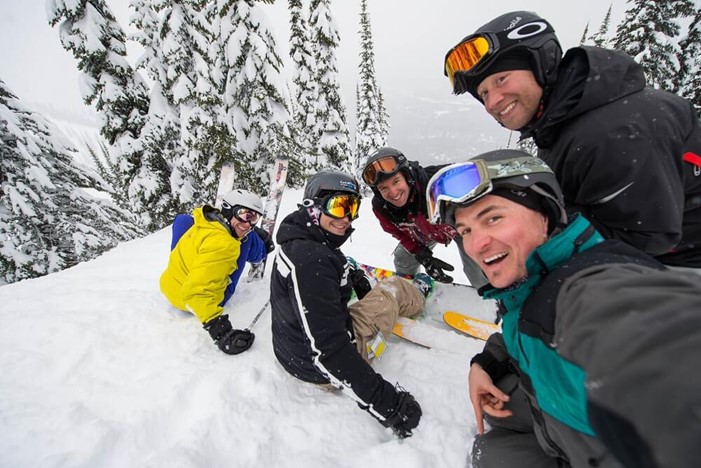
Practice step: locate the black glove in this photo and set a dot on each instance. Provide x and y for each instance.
(405, 417)
(226, 338)
(434, 266)
(267, 240)
(360, 282)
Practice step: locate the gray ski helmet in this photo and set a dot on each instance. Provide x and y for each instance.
(519, 171)
(240, 198)
(331, 181)
(519, 33)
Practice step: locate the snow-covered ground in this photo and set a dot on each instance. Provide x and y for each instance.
(99, 371)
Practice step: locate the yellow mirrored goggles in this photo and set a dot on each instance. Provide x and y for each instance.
(341, 205)
(464, 56)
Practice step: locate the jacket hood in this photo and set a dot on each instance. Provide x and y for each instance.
(589, 77)
(210, 218)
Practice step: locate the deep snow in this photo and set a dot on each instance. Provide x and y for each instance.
(99, 370)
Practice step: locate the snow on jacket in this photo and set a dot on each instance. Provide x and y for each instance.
(200, 265)
(408, 224)
(618, 150)
(311, 326)
(586, 331)
(252, 251)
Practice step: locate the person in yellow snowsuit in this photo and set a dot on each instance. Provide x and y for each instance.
(205, 263)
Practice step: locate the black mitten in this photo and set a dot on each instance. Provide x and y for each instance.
(265, 237)
(434, 266)
(228, 339)
(406, 415)
(360, 282)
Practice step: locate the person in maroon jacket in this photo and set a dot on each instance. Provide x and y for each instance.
(399, 203)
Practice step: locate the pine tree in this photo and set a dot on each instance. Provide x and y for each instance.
(305, 89)
(249, 74)
(185, 35)
(161, 134)
(600, 38)
(690, 75)
(89, 30)
(583, 39)
(48, 221)
(371, 131)
(648, 33)
(332, 130)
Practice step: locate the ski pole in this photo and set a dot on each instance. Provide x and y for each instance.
(255, 319)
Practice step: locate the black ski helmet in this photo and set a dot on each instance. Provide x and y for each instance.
(402, 163)
(403, 166)
(330, 181)
(519, 33)
(517, 170)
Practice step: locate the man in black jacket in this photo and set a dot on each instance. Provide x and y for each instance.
(317, 337)
(628, 157)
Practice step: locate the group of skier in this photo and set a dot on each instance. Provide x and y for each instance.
(592, 251)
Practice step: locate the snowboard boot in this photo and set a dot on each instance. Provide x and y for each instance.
(423, 283)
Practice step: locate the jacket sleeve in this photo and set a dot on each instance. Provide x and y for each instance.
(181, 224)
(315, 291)
(623, 174)
(203, 290)
(411, 245)
(256, 253)
(637, 334)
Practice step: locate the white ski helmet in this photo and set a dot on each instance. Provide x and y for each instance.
(240, 198)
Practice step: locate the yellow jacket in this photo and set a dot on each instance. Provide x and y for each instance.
(200, 265)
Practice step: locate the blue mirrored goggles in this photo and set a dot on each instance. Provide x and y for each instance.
(456, 183)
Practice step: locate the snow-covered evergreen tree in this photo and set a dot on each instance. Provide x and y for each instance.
(600, 38)
(334, 141)
(371, 132)
(48, 221)
(89, 30)
(161, 134)
(249, 74)
(305, 88)
(583, 39)
(648, 32)
(690, 76)
(185, 39)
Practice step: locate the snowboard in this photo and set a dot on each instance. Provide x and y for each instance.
(278, 177)
(471, 326)
(410, 330)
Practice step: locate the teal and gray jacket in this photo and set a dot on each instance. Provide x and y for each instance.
(566, 332)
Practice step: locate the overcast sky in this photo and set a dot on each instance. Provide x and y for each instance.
(411, 39)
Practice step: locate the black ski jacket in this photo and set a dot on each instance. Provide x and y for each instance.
(621, 153)
(311, 326)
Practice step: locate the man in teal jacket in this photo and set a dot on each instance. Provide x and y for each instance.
(593, 365)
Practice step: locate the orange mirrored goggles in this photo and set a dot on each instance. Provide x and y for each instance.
(466, 55)
(340, 206)
(387, 165)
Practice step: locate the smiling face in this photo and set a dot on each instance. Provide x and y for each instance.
(499, 235)
(511, 97)
(395, 189)
(333, 225)
(240, 228)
